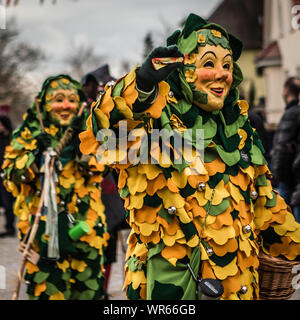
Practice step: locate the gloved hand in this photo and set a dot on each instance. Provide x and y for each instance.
(77, 122)
(43, 141)
(147, 77)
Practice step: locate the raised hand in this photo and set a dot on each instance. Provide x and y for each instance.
(147, 76)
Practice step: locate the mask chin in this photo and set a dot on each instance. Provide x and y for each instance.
(200, 99)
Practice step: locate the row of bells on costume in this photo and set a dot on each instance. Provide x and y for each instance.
(246, 228)
(172, 210)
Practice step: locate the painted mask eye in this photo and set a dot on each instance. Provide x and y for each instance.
(226, 66)
(208, 64)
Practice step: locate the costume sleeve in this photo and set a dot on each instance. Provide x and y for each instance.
(274, 221)
(122, 102)
(19, 165)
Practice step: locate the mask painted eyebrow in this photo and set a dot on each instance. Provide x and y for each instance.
(59, 94)
(207, 52)
(228, 55)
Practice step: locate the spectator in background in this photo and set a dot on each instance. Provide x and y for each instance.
(257, 122)
(6, 197)
(286, 150)
(93, 82)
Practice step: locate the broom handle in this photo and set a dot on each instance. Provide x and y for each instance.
(28, 245)
(37, 106)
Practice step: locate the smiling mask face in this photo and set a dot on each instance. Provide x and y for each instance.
(208, 69)
(214, 68)
(62, 101)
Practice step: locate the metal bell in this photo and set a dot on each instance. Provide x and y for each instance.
(171, 94)
(110, 83)
(243, 290)
(171, 210)
(253, 195)
(201, 186)
(247, 228)
(210, 251)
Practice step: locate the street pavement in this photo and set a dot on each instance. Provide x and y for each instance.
(10, 259)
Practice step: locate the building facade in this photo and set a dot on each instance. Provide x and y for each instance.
(280, 56)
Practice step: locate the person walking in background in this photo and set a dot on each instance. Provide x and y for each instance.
(71, 234)
(6, 198)
(286, 147)
(93, 83)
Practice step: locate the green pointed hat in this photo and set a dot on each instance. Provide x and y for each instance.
(187, 39)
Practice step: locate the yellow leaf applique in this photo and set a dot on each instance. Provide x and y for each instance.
(150, 170)
(190, 76)
(57, 296)
(123, 108)
(39, 288)
(26, 134)
(136, 201)
(289, 225)
(171, 199)
(31, 268)
(136, 182)
(229, 270)
(177, 124)
(64, 265)
(222, 235)
(244, 106)
(78, 265)
(52, 130)
(21, 162)
(67, 182)
(243, 135)
(137, 277)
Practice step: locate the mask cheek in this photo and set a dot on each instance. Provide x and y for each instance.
(204, 76)
(229, 80)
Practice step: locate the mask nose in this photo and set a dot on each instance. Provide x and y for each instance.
(66, 104)
(221, 74)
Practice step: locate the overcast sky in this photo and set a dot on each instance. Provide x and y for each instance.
(115, 28)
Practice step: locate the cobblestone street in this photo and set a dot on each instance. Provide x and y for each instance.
(10, 259)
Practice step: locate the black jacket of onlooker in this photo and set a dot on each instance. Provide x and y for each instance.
(286, 146)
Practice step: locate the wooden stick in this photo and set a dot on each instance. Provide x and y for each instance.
(28, 245)
(37, 106)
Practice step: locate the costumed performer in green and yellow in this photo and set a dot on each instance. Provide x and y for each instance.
(71, 235)
(202, 217)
